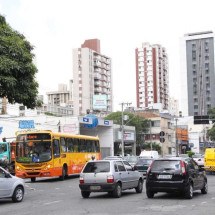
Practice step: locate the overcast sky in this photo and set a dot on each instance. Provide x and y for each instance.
(55, 27)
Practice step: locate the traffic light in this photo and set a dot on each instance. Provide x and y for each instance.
(162, 139)
(201, 119)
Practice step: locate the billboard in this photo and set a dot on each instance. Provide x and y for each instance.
(100, 102)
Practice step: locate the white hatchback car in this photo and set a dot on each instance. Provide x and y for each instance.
(11, 186)
(199, 158)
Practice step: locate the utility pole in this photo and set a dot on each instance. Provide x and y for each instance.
(176, 138)
(150, 133)
(122, 126)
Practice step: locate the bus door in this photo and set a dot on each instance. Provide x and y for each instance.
(56, 155)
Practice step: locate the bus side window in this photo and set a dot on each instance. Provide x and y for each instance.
(89, 146)
(63, 144)
(69, 144)
(82, 145)
(56, 148)
(97, 146)
(76, 145)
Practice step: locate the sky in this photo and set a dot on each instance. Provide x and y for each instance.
(56, 27)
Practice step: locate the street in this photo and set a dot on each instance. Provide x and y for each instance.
(52, 196)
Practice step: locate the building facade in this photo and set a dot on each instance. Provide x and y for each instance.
(198, 75)
(152, 76)
(92, 79)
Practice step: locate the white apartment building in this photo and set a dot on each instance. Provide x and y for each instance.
(92, 79)
(152, 76)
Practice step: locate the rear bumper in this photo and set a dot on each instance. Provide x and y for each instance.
(103, 187)
(165, 186)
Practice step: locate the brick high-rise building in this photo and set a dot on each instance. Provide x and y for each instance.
(152, 77)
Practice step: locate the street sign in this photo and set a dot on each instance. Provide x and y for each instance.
(201, 119)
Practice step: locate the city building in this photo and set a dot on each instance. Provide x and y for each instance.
(60, 101)
(92, 79)
(152, 77)
(198, 75)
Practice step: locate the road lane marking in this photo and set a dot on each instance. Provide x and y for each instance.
(49, 203)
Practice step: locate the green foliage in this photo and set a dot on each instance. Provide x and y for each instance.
(190, 153)
(155, 146)
(141, 124)
(17, 71)
(211, 132)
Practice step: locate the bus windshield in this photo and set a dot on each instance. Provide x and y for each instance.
(33, 151)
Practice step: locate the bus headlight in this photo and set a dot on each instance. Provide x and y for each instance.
(18, 168)
(48, 167)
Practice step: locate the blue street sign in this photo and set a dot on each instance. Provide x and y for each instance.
(85, 119)
(106, 122)
(24, 124)
(1, 129)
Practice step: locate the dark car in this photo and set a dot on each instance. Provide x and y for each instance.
(175, 175)
(143, 164)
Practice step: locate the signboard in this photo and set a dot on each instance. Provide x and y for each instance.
(129, 136)
(99, 102)
(26, 124)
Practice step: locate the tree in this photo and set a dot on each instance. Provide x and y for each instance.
(17, 71)
(141, 124)
(211, 132)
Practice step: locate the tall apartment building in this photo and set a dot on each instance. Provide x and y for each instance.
(198, 75)
(152, 77)
(92, 79)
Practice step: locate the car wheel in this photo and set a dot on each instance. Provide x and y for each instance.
(33, 179)
(18, 194)
(139, 187)
(189, 191)
(204, 190)
(149, 194)
(117, 191)
(85, 194)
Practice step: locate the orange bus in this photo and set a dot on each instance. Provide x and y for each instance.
(50, 154)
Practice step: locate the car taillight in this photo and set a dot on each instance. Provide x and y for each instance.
(183, 167)
(149, 168)
(110, 179)
(81, 180)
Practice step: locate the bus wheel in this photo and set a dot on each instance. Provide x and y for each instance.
(33, 179)
(64, 173)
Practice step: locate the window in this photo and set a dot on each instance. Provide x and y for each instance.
(63, 144)
(56, 148)
(121, 167)
(127, 166)
(95, 167)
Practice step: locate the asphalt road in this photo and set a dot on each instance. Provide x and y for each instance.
(51, 196)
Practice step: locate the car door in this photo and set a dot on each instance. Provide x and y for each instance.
(6, 184)
(132, 176)
(193, 174)
(199, 175)
(123, 173)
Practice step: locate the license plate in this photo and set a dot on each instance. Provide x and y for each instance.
(95, 187)
(164, 176)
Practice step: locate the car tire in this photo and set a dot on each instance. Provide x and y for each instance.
(18, 194)
(139, 188)
(149, 194)
(33, 179)
(117, 191)
(85, 194)
(204, 190)
(189, 191)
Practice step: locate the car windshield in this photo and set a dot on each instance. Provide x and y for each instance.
(96, 167)
(162, 165)
(3, 148)
(131, 159)
(144, 161)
